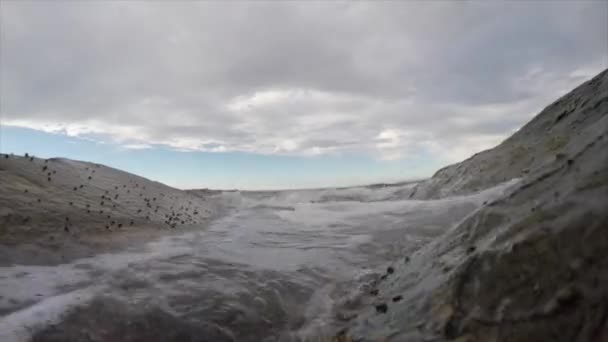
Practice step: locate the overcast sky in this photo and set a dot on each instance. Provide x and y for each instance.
(392, 82)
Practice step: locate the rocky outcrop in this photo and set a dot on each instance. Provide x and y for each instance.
(530, 266)
(50, 205)
(555, 133)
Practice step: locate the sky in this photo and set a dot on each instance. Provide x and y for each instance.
(267, 95)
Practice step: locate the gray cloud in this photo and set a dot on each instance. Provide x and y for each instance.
(384, 79)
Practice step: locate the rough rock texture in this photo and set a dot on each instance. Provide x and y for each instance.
(50, 205)
(127, 324)
(554, 133)
(530, 266)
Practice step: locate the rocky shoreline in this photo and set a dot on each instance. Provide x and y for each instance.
(530, 266)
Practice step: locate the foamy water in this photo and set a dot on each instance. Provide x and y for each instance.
(272, 268)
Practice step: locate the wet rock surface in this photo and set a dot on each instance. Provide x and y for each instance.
(72, 214)
(124, 323)
(529, 266)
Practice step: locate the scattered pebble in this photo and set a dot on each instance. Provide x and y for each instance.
(381, 308)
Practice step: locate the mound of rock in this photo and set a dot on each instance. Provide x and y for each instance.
(530, 266)
(45, 204)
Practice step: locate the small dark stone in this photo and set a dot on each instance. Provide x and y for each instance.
(390, 270)
(471, 249)
(25, 190)
(75, 188)
(39, 200)
(570, 162)
(397, 298)
(341, 336)
(49, 179)
(71, 203)
(66, 229)
(381, 308)
(120, 225)
(568, 296)
(374, 292)
(383, 277)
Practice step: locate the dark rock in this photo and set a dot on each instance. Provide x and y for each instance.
(381, 308)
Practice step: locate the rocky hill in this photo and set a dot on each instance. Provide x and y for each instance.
(530, 266)
(48, 205)
(561, 130)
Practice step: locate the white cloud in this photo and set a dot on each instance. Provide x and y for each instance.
(137, 146)
(388, 80)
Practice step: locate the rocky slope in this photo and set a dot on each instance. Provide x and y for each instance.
(555, 133)
(530, 266)
(51, 205)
